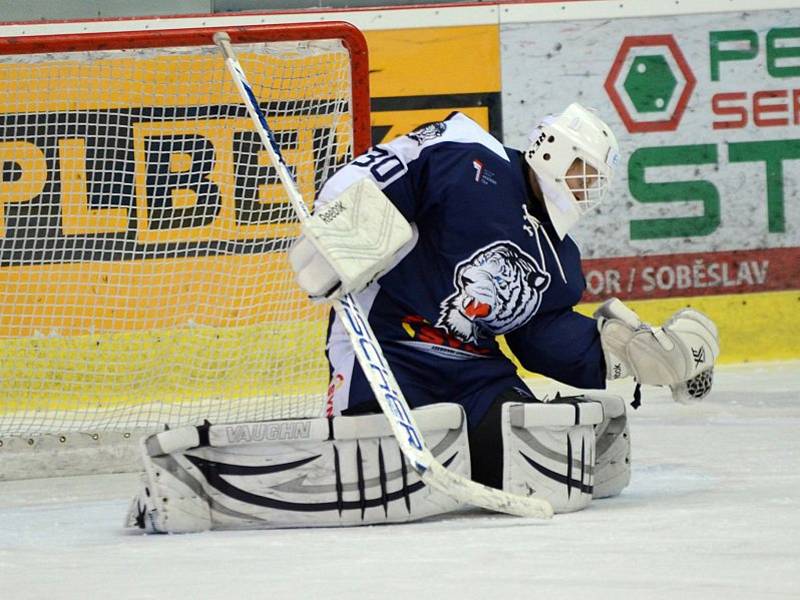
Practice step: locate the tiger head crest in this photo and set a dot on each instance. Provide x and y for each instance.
(498, 289)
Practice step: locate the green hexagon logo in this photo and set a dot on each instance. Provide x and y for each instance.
(650, 83)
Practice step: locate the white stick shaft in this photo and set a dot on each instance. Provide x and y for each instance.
(259, 121)
(369, 353)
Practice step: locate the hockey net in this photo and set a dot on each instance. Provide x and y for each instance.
(143, 275)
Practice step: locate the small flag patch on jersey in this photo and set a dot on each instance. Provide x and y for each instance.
(483, 175)
(478, 166)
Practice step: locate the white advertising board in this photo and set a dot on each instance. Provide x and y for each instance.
(707, 112)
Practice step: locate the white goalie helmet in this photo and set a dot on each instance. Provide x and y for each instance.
(573, 156)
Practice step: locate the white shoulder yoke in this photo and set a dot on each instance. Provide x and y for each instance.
(385, 163)
(457, 128)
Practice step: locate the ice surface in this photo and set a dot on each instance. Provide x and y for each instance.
(713, 511)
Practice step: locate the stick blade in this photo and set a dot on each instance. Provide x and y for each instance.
(469, 492)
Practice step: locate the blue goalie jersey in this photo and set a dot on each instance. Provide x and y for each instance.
(483, 262)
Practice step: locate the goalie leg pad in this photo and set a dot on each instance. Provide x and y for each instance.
(168, 502)
(297, 473)
(612, 472)
(549, 451)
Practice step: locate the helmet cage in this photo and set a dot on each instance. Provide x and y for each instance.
(587, 183)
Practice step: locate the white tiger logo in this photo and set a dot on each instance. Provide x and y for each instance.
(428, 131)
(498, 289)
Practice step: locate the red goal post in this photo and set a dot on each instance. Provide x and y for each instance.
(143, 278)
(349, 35)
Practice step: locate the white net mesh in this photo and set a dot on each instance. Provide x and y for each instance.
(143, 276)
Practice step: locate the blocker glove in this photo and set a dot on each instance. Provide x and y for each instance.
(349, 242)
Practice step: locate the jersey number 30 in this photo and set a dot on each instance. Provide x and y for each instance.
(383, 165)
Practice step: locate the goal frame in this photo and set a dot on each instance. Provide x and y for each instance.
(116, 450)
(351, 37)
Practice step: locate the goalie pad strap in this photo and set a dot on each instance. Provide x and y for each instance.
(321, 429)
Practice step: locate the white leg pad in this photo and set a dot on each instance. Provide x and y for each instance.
(613, 447)
(295, 473)
(549, 451)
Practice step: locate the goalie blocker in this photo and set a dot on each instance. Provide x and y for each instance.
(349, 242)
(349, 470)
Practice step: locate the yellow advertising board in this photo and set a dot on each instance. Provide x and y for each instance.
(122, 166)
(143, 229)
(422, 75)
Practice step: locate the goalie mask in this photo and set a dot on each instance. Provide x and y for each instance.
(573, 156)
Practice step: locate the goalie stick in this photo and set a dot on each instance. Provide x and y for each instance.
(368, 351)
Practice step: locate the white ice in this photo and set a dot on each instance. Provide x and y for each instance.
(713, 511)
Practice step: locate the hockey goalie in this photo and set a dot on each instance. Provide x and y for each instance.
(448, 239)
